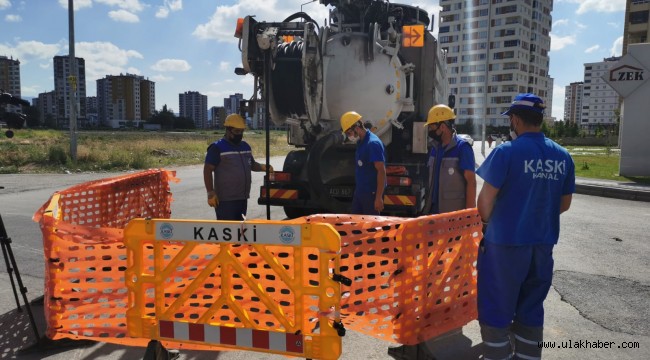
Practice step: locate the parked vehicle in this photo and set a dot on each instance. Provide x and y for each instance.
(374, 57)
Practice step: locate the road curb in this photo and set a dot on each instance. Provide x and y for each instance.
(613, 192)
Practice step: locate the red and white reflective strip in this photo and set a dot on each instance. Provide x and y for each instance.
(225, 335)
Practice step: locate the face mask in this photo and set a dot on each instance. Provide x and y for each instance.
(236, 139)
(434, 136)
(353, 139)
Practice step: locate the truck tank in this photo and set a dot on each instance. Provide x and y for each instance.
(372, 57)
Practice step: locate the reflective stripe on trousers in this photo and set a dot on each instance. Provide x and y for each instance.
(496, 343)
(527, 340)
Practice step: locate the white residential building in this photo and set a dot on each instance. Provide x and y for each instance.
(496, 49)
(599, 102)
(573, 102)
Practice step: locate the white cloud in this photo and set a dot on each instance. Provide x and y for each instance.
(617, 47)
(221, 26)
(104, 58)
(171, 65)
(123, 16)
(598, 5)
(132, 70)
(30, 50)
(5, 4)
(128, 5)
(560, 42)
(224, 65)
(161, 78)
(174, 5)
(580, 25)
(13, 18)
(78, 4)
(561, 22)
(162, 12)
(592, 49)
(169, 6)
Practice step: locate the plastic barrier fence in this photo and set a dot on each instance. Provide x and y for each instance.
(412, 279)
(85, 295)
(255, 285)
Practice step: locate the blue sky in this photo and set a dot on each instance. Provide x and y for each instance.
(189, 45)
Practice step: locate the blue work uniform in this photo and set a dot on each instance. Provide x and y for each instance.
(232, 177)
(369, 150)
(447, 184)
(515, 261)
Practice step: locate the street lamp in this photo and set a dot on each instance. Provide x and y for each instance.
(72, 78)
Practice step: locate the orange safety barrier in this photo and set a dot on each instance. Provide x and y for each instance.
(85, 295)
(240, 285)
(412, 279)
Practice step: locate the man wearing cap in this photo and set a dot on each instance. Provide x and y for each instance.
(370, 167)
(227, 171)
(529, 182)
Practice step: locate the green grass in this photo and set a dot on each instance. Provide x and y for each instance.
(48, 151)
(600, 163)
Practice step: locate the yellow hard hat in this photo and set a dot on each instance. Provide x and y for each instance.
(235, 121)
(440, 113)
(348, 119)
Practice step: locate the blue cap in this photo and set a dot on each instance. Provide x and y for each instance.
(530, 102)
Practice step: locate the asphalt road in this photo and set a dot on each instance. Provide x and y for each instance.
(601, 289)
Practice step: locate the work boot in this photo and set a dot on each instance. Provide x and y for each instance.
(410, 352)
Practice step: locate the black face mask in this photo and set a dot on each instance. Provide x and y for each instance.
(434, 136)
(236, 138)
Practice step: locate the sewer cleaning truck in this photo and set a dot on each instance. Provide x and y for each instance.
(374, 57)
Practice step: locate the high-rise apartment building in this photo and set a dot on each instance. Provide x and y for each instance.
(10, 75)
(573, 102)
(125, 100)
(217, 115)
(495, 50)
(637, 24)
(231, 103)
(193, 105)
(62, 75)
(10, 79)
(46, 105)
(599, 102)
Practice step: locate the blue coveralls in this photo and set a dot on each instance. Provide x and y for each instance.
(515, 260)
(369, 150)
(232, 177)
(447, 184)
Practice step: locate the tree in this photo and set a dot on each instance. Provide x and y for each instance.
(164, 117)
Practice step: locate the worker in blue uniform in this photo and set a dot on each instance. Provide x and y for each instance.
(452, 177)
(370, 166)
(529, 182)
(227, 171)
(452, 186)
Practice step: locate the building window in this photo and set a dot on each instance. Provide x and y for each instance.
(639, 17)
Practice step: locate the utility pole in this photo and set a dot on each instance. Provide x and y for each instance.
(72, 79)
